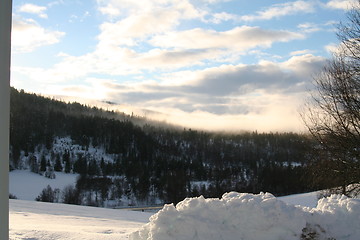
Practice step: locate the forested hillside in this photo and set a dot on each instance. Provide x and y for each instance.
(118, 159)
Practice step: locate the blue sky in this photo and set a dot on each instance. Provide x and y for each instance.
(208, 64)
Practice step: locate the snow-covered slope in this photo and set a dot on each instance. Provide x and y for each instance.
(235, 216)
(303, 199)
(44, 221)
(26, 185)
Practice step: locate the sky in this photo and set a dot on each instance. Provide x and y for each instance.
(206, 64)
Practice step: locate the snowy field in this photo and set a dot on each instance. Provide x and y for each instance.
(235, 216)
(26, 185)
(45, 221)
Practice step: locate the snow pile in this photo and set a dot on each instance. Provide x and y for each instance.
(253, 217)
(337, 217)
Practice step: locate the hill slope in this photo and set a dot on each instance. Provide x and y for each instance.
(120, 159)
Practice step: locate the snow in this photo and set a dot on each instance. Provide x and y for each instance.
(61, 144)
(42, 221)
(234, 216)
(303, 199)
(26, 185)
(253, 217)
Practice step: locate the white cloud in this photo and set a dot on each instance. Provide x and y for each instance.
(341, 4)
(109, 10)
(280, 10)
(223, 16)
(126, 8)
(134, 21)
(27, 35)
(309, 27)
(239, 38)
(34, 9)
(54, 3)
(301, 52)
(137, 27)
(332, 48)
(304, 65)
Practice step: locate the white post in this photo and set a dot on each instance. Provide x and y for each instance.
(5, 33)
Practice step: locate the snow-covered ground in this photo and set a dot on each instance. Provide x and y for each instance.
(235, 216)
(26, 185)
(303, 199)
(45, 221)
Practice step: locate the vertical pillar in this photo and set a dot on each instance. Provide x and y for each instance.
(5, 33)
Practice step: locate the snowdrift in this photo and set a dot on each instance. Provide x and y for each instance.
(253, 217)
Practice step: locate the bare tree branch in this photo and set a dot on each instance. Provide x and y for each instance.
(332, 114)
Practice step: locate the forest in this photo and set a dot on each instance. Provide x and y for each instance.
(117, 158)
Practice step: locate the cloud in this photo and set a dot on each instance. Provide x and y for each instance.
(303, 68)
(341, 4)
(130, 37)
(27, 35)
(134, 21)
(34, 9)
(239, 38)
(263, 96)
(280, 10)
(309, 27)
(301, 52)
(249, 96)
(277, 113)
(126, 8)
(167, 51)
(332, 48)
(137, 27)
(109, 10)
(223, 16)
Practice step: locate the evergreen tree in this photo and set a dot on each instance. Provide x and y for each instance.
(46, 195)
(66, 160)
(103, 167)
(58, 166)
(71, 195)
(34, 167)
(81, 165)
(93, 168)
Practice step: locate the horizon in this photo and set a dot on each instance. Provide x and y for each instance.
(216, 65)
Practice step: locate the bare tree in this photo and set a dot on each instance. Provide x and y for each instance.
(333, 114)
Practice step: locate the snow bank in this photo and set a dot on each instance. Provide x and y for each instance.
(253, 217)
(337, 217)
